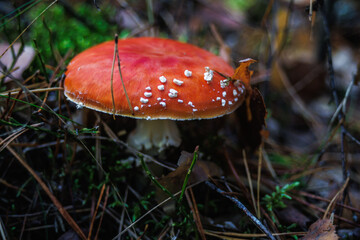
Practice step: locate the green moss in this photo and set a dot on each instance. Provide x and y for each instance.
(59, 31)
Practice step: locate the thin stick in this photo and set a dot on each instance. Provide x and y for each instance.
(249, 235)
(102, 215)
(250, 182)
(39, 90)
(335, 197)
(121, 77)
(243, 208)
(258, 182)
(195, 211)
(95, 213)
(112, 77)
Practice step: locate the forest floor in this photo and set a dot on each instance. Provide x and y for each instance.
(289, 172)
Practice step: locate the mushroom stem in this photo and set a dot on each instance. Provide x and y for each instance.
(158, 134)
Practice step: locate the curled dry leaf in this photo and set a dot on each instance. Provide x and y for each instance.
(242, 72)
(322, 229)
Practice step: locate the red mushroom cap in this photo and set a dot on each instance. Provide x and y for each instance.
(164, 79)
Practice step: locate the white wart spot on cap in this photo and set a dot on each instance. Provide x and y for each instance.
(208, 75)
(148, 88)
(136, 108)
(191, 104)
(180, 101)
(162, 104)
(144, 100)
(187, 73)
(173, 93)
(224, 94)
(162, 79)
(236, 99)
(218, 98)
(194, 110)
(223, 102)
(80, 105)
(161, 87)
(178, 82)
(147, 94)
(234, 92)
(230, 102)
(223, 83)
(159, 99)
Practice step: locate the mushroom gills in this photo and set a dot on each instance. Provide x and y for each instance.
(158, 134)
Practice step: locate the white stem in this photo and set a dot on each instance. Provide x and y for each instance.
(158, 134)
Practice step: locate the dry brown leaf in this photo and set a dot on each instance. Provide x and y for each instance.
(322, 229)
(243, 73)
(173, 181)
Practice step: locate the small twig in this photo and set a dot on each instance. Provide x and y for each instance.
(231, 235)
(95, 213)
(121, 77)
(195, 211)
(237, 177)
(258, 181)
(112, 78)
(331, 204)
(102, 215)
(309, 195)
(319, 209)
(243, 208)
(352, 137)
(39, 90)
(332, 85)
(250, 182)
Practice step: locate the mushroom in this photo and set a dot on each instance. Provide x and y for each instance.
(165, 80)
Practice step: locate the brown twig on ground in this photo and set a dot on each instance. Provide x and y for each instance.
(250, 183)
(102, 214)
(309, 195)
(193, 206)
(95, 212)
(56, 202)
(316, 208)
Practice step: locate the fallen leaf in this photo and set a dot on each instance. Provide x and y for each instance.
(201, 172)
(174, 180)
(322, 229)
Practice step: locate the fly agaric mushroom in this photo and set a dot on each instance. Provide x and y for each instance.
(165, 80)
